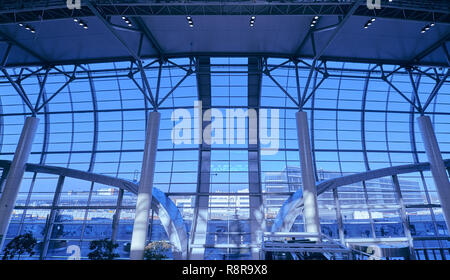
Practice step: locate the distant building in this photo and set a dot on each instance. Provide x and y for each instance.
(380, 192)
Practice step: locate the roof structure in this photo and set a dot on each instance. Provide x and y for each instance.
(221, 28)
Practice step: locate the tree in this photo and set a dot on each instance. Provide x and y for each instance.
(157, 250)
(21, 244)
(102, 249)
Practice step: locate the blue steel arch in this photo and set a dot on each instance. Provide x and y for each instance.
(170, 216)
(293, 206)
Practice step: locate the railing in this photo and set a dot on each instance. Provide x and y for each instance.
(303, 243)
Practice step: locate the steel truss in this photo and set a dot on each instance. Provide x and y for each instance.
(48, 10)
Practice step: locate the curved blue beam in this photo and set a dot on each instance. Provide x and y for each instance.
(292, 207)
(170, 216)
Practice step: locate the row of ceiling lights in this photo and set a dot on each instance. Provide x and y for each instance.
(252, 21)
(424, 29)
(314, 21)
(28, 27)
(81, 23)
(427, 27)
(127, 21)
(191, 22)
(369, 23)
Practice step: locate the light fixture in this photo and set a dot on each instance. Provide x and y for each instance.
(369, 23)
(28, 27)
(314, 21)
(252, 21)
(190, 21)
(127, 21)
(427, 27)
(81, 23)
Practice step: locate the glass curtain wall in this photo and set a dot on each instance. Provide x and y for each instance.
(97, 124)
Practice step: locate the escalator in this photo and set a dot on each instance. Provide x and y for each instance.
(302, 246)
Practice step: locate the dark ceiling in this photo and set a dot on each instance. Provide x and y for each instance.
(221, 28)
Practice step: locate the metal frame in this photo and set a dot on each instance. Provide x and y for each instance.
(293, 205)
(417, 10)
(167, 210)
(89, 75)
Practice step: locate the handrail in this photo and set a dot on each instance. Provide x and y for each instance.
(316, 235)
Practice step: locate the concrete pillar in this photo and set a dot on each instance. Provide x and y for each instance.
(311, 209)
(15, 174)
(436, 165)
(144, 198)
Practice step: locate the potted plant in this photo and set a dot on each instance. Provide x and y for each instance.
(157, 250)
(103, 249)
(21, 244)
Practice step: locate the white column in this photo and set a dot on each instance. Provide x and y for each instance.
(144, 198)
(15, 174)
(436, 165)
(311, 210)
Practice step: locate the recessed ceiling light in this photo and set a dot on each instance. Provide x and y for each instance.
(190, 21)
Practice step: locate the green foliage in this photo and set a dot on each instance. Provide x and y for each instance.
(102, 249)
(157, 250)
(21, 244)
